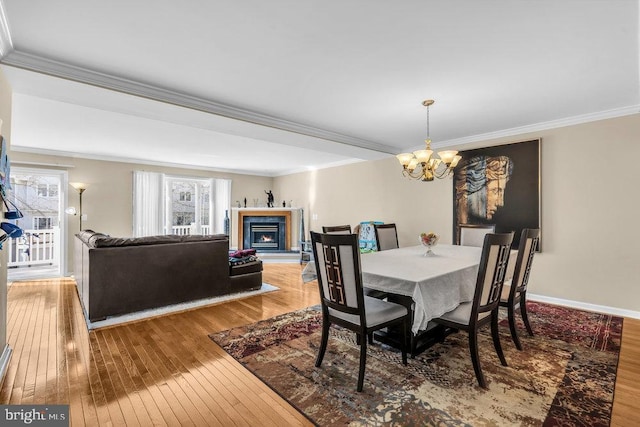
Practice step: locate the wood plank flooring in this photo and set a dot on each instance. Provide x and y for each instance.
(626, 398)
(166, 371)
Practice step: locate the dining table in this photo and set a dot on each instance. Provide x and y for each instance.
(429, 284)
(437, 282)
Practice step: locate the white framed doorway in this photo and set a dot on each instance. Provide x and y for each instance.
(41, 196)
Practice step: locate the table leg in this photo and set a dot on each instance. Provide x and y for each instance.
(419, 342)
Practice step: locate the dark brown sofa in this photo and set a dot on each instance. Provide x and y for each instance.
(117, 276)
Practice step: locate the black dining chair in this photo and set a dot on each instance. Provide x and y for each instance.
(337, 259)
(346, 229)
(336, 229)
(386, 236)
(514, 291)
(473, 234)
(470, 316)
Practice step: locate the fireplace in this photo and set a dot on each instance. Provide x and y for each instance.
(264, 233)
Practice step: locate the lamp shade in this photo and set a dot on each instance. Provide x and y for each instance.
(447, 155)
(404, 158)
(79, 186)
(422, 156)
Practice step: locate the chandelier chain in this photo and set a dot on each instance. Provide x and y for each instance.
(428, 132)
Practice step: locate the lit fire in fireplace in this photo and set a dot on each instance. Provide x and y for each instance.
(265, 238)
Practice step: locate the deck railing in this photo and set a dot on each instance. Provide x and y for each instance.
(35, 247)
(184, 230)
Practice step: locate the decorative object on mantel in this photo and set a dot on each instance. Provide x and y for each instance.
(284, 204)
(429, 240)
(245, 202)
(269, 198)
(429, 165)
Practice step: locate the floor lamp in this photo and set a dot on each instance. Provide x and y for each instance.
(80, 187)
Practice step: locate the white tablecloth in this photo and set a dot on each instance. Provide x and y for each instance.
(437, 283)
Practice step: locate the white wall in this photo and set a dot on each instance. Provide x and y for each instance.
(108, 201)
(591, 243)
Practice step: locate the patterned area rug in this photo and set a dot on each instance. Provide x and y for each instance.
(564, 377)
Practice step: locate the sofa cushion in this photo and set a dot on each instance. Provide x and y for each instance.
(102, 241)
(84, 235)
(254, 266)
(243, 260)
(203, 238)
(96, 237)
(99, 240)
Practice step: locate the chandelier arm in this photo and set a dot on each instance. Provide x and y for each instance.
(443, 173)
(409, 174)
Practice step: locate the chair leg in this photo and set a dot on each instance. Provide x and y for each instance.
(370, 337)
(512, 328)
(323, 341)
(363, 362)
(525, 316)
(405, 332)
(496, 337)
(473, 349)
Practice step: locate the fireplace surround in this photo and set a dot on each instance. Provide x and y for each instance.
(266, 230)
(264, 233)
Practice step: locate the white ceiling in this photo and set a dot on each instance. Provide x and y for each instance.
(274, 87)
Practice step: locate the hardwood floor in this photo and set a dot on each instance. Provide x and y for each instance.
(626, 400)
(163, 371)
(166, 371)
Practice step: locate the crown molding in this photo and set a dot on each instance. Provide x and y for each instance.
(538, 127)
(107, 158)
(6, 45)
(59, 69)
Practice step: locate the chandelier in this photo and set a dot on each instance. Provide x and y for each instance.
(430, 166)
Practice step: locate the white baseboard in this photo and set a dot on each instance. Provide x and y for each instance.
(585, 306)
(4, 361)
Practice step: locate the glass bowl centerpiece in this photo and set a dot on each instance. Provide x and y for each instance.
(429, 240)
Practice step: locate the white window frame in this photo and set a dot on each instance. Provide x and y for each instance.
(48, 220)
(187, 196)
(47, 190)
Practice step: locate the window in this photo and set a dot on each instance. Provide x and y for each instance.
(47, 190)
(179, 205)
(189, 205)
(183, 219)
(42, 223)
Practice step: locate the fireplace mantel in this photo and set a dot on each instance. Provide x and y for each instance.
(248, 212)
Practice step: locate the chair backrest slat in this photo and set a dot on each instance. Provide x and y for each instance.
(491, 272)
(336, 229)
(337, 261)
(386, 236)
(528, 244)
(473, 234)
